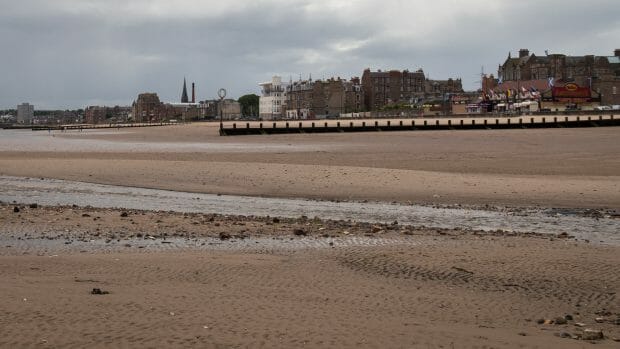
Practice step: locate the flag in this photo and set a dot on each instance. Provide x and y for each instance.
(551, 81)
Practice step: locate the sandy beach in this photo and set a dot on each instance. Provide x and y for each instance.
(77, 276)
(546, 167)
(258, 282)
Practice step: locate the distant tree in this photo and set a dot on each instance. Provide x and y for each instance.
(249, 105)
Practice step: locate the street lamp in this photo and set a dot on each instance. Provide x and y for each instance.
(222, 94)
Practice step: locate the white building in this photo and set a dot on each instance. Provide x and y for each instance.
(273, 98)
(25, 113)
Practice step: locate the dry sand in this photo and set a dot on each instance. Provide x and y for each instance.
(425, 289)
(173, 282)
(546, 167)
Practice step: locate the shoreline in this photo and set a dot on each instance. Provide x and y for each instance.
(597, 225)
(584, 211)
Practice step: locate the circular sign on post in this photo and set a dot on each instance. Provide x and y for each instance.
(221, 93)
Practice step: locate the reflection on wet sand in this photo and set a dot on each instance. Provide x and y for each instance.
(599, 227)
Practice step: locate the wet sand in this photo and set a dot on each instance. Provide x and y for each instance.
(596, 225)
(415, 288)
(547, 167)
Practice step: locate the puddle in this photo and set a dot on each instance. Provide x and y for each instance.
(60, 192)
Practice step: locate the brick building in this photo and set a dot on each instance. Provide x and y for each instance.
(394, 87)
(95, 114)
(600, 74)
(344, 96)
(148, 108)
(441, 89)
(299, 99)
(98, 114)
(308, 99)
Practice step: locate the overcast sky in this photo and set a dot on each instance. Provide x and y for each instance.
(74, 53)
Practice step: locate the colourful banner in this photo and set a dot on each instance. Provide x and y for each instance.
(571, 91)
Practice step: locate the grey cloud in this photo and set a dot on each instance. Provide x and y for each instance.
(59, 54)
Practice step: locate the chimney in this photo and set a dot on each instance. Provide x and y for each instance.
(524, 52)
(617, 52)
(193, 93)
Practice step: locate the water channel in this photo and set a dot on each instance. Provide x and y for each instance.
(600, 229)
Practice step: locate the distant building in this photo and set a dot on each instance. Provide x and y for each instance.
(230, 109)
(209, 109)
(7, 118)
(300, 100)
(119, 113)
(272, 100)
(308, 99)
(382, 88)
(148, 108)
(442, 89)
(575, 79)
(95, 114)
(25, 113)
(99, 114)
(185, 111)
(343, 96)
(394, 87)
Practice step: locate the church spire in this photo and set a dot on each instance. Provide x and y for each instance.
(184, 98)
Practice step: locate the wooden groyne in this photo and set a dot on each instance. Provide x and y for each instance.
(85, 126)
(374, 125)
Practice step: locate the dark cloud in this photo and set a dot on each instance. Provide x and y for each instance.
(76, 53)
